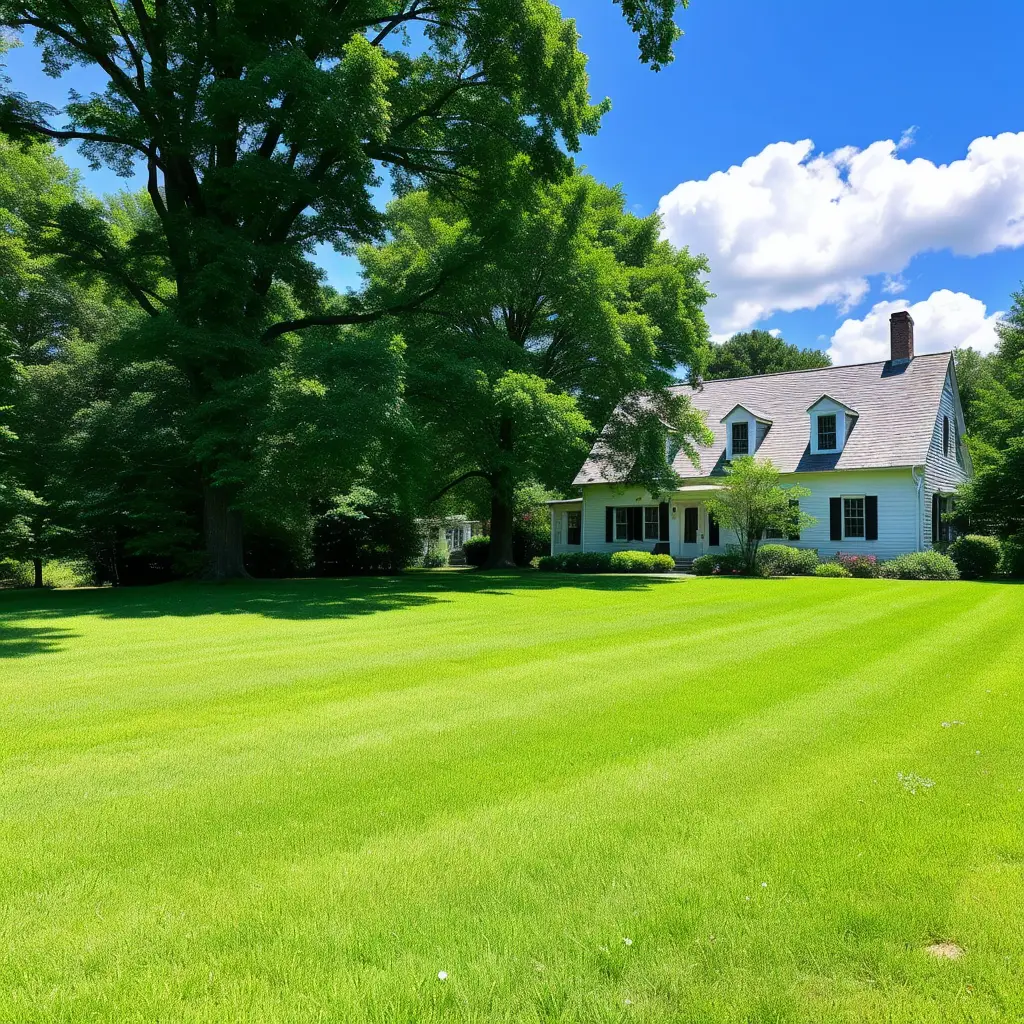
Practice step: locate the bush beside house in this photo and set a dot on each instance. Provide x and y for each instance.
(976, 557)
(783, 560)
(920, 565)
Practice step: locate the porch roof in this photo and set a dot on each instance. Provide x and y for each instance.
(696, 488)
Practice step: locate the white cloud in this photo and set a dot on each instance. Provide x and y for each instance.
(788, 229)
(894, 285)
(944, 321)
(776, 332)
(907, 138)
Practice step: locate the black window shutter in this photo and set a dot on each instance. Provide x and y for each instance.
(714, 539)
(794, 504)
(663, 521)
(935, 518)
(609, 524)
(871, 517)
(835, 518)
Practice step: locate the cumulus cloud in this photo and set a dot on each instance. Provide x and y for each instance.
(942, 322)
(788, 229)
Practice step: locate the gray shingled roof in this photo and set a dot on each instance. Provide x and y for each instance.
(896, 410)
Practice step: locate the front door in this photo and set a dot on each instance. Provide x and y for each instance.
(692, 541)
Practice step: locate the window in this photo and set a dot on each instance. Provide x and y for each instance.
(575, 522)
(772, 534)
(827, 437)
(740, 438)
(652, 523)
(622, 524)
(945, 436)
(853, 517)
(956, 437)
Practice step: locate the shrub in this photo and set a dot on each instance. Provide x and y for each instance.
(976, 557)
(57, 572)
(726, 563)
(783, 560)
(586, 561)
(550, 563)
(364, 532)
(436, 556)
(1012, 560)
(476, 550)
(663, 563)
(920, 565)
(832, 570)
(632, 561)
(863, 567)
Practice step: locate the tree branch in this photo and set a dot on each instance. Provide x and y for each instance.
(455, 483)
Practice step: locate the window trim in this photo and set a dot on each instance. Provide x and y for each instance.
(570, 529)
(648, 509)
(623, 511)
(834, 446)
(745, 424)
(945, 437)
(862, 498)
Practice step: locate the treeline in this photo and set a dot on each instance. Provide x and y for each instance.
(181, 392)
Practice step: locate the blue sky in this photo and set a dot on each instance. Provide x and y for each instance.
(817, 245)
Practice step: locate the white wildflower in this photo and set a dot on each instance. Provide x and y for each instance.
(442, 975)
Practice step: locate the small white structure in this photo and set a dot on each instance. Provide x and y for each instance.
(878, 445)
(454, 531)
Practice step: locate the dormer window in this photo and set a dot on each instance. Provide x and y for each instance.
(830, 424)
(741, 438)
(827, 437)
(745, 430)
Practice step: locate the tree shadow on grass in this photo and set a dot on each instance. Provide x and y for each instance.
(23, 613)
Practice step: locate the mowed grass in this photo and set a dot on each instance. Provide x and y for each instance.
(584, 799)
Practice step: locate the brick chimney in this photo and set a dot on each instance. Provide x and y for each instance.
(901, 337)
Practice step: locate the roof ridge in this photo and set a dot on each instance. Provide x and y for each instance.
(813, 369)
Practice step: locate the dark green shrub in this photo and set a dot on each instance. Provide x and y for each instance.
(863, 567)
(587, 561)
(1012, 560)
(976, 557)
(364, 533)
(476, 550)
(663, 563)
(632, 561)
(831, 570)
(920, 565)
(551, 563)
(783, 560)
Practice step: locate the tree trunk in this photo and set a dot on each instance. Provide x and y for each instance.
(222, 526)
(37, 565)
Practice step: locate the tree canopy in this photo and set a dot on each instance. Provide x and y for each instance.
(753, 353)
(579, 310)
(994, 500)
(263, 129)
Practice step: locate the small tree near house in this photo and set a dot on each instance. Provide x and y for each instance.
(753, 502)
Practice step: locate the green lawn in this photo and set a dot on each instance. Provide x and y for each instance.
(585, 799)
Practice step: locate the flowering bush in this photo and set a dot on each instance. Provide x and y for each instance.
(920, 565)
(728, 563)
(832, 569)
(864, 567)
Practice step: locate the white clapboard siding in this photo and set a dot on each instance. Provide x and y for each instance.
(942, 472)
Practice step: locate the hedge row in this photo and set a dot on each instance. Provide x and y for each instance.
(783, 560)
(599, 561)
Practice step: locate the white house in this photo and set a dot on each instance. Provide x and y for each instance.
(878, 445)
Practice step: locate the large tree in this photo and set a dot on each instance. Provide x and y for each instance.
(263, 128)
(578, 312)
(994, 500)
(751, 353)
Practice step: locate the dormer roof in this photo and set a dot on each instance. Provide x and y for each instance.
(759, 416)
(834, 401)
